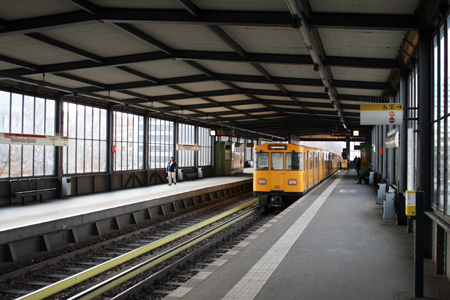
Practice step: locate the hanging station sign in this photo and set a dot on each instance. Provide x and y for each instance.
(189, 147)
(33, 139)
(381, 114)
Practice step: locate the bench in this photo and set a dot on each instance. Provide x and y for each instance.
(190, 173)
(32, 187)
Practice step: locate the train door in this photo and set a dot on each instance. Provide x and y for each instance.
(277, 171)
(311, 169)
(306, 170)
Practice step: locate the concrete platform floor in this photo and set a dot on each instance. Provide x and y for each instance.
(13, 217)
(330, 244)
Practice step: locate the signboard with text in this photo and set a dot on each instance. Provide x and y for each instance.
(381, 114)
(32, 139)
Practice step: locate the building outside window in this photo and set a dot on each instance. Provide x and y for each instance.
(26, 115)
(186, 135)
(85, 126)
(204, 140)
(161, 146)
(128, 141)
(441, 66)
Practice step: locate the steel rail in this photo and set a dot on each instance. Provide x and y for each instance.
(103, 267)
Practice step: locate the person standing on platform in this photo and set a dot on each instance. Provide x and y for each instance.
(172, 171)
(358, 165)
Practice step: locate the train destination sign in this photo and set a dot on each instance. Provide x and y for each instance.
(32, 139)
(381, 114)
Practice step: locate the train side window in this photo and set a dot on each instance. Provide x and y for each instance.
(262, 161)
(294, 161)
(277, 161)
(310, 160)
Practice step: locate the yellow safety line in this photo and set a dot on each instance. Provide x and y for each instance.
(77, 278)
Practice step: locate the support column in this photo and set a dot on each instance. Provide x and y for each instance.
(424, 153)
(110, 143)
(403, 163)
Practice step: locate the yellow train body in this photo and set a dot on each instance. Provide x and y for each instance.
(287, 171)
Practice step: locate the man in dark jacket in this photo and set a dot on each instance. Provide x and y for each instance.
(171, 171)
(365, 174)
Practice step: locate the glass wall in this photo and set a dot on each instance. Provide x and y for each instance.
(161, 143)
(26, 115)
(128, 141)
(85, 126)
(186, 135)
(204, 140)
(441, 83)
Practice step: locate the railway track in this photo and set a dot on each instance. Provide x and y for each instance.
(99, 269)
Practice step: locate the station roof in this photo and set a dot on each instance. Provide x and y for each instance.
(270, 66)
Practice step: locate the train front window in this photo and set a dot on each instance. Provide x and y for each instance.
(262, 161)
(294, 161)
(277, 161)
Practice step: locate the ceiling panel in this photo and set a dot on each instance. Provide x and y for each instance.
(288, 107)
(213, 109)
(102, 39)
(106, 75)
(31, 8)
(365, 6)
(262, 86)
(361, 43)
(30, 50)
(157, 4)
(165, 68)
(249, 106)
(221, 67)
(113, 94)
(295, 71)
(360, 92)
(235, 97)
(246, 5)
(305, 88)
(59, 80)
(186, 37)
(267, 40)
(203, 86)
(360, 74)
(155, 91)
(192, 101)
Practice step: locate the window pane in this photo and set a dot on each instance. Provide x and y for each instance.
(50, 117)
(4, 160)
(39, 120)
(16, 160)
(50, 160)
(262, 161)
(88, 156)
(72, 120)
(103, 162)
(293, 161)
(16, 113)
(39, 160)
(88, 122)
(80, 121)
(277, 161)
(80, 156)
(28, 115)
(5, 103)
(27, 165)
(71, 158)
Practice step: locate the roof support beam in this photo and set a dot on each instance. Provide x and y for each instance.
(297, 13)
(364, 21)
(188, 55)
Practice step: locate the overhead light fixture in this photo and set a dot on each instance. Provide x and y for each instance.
(355, 132)
(212, 133)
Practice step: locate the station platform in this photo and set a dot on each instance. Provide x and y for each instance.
(331, 244)
(43, 227)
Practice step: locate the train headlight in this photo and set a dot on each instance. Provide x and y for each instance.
(292, 181)
(261, 181)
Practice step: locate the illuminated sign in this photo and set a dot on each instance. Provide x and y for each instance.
(277, 147)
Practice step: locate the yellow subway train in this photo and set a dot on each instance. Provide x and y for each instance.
(284, 172)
